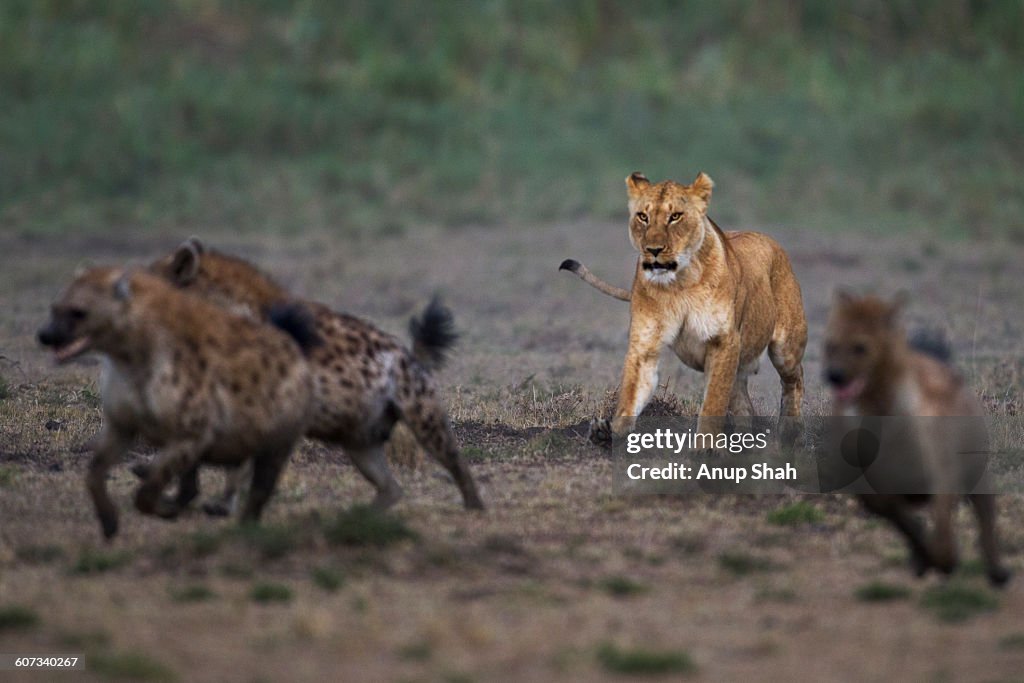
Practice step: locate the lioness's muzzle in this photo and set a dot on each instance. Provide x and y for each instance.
(671, 265)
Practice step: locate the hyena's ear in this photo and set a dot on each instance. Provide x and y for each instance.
(895, 307)
(842, 297)
(123, 286)
(702, 185)
(185, 262)
(82, 268)
(636, 183)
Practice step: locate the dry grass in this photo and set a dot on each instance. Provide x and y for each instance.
(560, 578)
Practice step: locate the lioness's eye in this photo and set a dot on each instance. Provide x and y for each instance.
(859, 349)
(674, 217)
(642, 216)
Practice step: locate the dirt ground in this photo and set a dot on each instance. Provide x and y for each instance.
(560, 578)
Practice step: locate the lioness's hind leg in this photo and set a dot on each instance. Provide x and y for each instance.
(786, 353)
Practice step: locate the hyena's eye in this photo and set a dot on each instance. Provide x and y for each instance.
(859, 349)
(641, 216)
(674, 217)
(76, 314)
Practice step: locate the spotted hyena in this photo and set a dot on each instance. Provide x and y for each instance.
(364, 380)
(197, 382)
(874, 371)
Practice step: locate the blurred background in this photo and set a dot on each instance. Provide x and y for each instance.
(367, 117)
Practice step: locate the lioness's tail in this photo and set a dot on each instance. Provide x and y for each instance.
(574, 266)
(296, 320)
(433, 335)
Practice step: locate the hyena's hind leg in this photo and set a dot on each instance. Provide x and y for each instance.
(373, 464)
(894, 510)
(428, 422)
(985, 510)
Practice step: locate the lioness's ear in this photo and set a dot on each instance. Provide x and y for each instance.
(185, 262)
(636, 183)
(702, 185)
(123, 287)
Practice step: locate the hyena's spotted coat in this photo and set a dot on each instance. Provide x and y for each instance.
(364, 380)
(201, 384)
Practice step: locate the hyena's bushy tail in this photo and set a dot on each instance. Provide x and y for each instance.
(297, 321)
(932, 342)
(433, 335)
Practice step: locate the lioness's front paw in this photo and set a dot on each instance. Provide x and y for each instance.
(601, 432)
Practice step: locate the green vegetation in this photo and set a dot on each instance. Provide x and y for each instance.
(644, 662)
(17, 617)
(364, 116)
(8, 475)
(800, 512)
(622, 586)
(742, 564)
(328, 578)
(129, 666)
(92, 561)
(40, 554)
(195, 592)
(363, 525)
(957, 601)
(879, 591)
(267, 591)
(1013, 641)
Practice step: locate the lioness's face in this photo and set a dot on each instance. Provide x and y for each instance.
(81, 317)
(667, 223)
(858, 334)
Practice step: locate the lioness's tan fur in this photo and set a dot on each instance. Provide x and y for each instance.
(717, 299)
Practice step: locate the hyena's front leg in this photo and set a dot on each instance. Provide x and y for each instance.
(721, 363)
(639, 378)
(111, 446)
(943, 545)
(177, 460)
(985, 510)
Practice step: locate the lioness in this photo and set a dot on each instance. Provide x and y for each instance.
(718, 299)
(874, 371)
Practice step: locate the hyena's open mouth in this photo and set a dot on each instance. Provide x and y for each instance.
(850, 391)
(72, 349)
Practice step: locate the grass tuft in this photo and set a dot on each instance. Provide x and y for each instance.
(92, 561)
(271, 541)
(955, 601)
(362, 525)
(640, 662)
(742, 564)
(40, 554)
(622, 586)
(328, 578)
(879, 591)
(1013, 641)
(129, 666)
(800, 512)
(17, 618)
(267, 591)
(196, 592)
